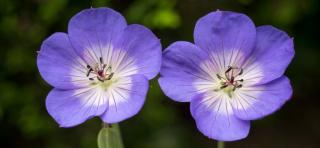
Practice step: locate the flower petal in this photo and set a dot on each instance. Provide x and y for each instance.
(144, 48)
(258, 101)
(215, 118)
(72, 107)
(180, 68)
(126, 98)
(226, 32)
(92, 31)
(59, 65)
(272, 54)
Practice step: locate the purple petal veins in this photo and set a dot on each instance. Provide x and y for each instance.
(231, 75)
(100, 68)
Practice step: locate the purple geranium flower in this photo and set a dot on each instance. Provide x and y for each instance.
(100, 68)
(231, 75)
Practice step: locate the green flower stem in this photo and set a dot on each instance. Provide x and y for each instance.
(220, 144)
(110, 136)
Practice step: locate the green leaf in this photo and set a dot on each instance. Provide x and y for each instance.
(110, 137)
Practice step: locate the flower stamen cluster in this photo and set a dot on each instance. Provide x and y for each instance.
(100, 71)
(228, 82)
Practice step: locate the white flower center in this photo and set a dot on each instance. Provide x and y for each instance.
(228, 81)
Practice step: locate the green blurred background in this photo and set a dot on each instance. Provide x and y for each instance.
(162, 123)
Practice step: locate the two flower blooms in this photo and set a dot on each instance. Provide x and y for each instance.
(232, 74)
